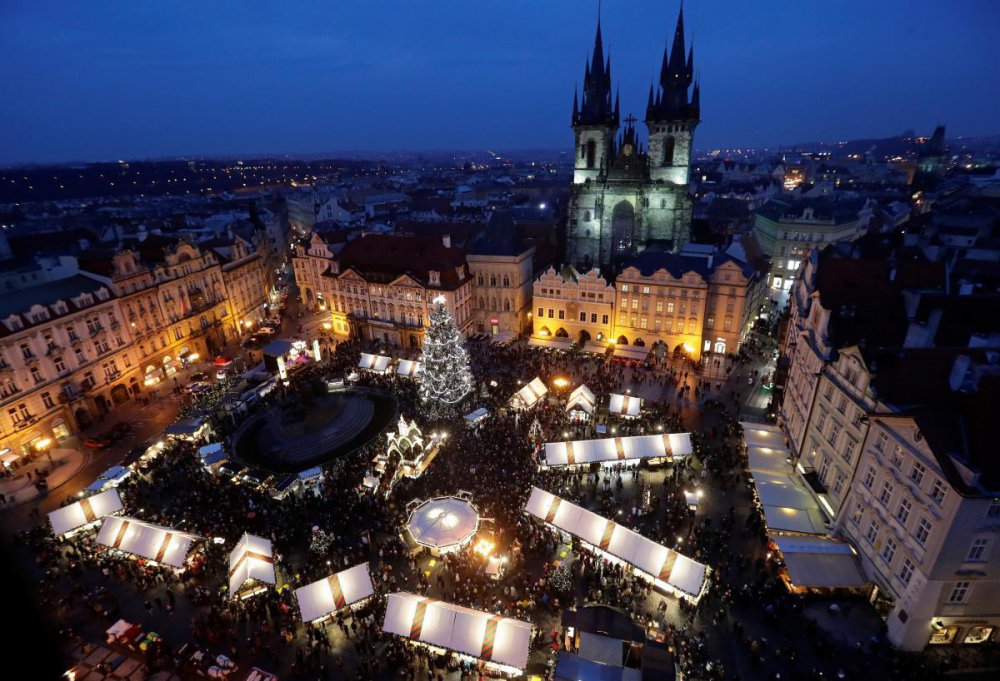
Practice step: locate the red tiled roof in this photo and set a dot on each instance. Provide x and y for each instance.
(383, 258)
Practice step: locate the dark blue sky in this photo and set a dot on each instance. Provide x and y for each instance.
(97, 81)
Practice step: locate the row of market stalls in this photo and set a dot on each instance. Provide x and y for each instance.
(798, 521)
(636, 353)
(663, 447)
(381, 364)
(665, 568)
(581, 402)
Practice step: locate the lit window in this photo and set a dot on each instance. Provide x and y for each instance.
(886, 494)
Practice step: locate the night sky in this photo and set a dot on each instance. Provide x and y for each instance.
(106, 81)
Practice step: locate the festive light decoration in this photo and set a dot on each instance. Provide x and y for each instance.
(446, 377)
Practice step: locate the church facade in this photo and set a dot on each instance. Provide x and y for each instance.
(627, 197)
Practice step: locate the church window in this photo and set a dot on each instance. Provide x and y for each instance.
(663, 203)
(591, 154)
(586, 216)
(668, 151)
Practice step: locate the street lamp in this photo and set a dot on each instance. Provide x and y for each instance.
(45, 445)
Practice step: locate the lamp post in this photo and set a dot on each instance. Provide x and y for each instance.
(45, 445)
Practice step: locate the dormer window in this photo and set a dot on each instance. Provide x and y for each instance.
(434, 277)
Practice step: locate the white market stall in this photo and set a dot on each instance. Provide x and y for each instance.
(625, 405)
(550, 342)
(763, 435)
(500, 642)
(443, 524)
(378, 364)
(189, 429)
(580, 404)
(252, 560)
(528, 396)
(409, 367)
(665, 568)
(152, 542)
(819, 562)
(84, 512)
(636, 353)
(617, 449)
(326, 596)
(595, 348)
(768, 460)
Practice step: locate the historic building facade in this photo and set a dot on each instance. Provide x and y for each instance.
(624, 197)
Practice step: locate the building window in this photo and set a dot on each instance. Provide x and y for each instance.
(848, 453)
(670, 308)
(888, 550)
(821, 422)
(842, 405)
(583, 316)
(47, 401)
(829, 392)
(923, 531)
(635, 303)
(604, 319)
(960, 592)
(897, 456)
(552, 313)
(838, 485)
(593, 317)
(869, 479)
(872, 532)
(886, 494)
(906, 571)
(834, 434)
(541, 312)
(659, 306)
(859, 511)
(977, 552)
(917, 472)
(880, 441)
(903, 512)
(643, 323)
(938, 491)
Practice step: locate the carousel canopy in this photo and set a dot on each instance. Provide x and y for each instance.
(330, 594)
(377, 363)
(625, 405)
(443, 522)
(149, 541)
(531, 393)
(409, 367)
(475, 633)
(581, 398)
(659, 562)
(252, 558)
(820, 562)
(577, 452)
(80, 513)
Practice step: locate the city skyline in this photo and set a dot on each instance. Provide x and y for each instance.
(152, 82)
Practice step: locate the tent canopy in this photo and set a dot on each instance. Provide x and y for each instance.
(252, 558)
(477, 415)
(330, 594)
(475, 633)
(409, 367)
(550, 342)
(153, 542)
(581, 398)
(625, 405)
(279, 347)
(662, 564)
(610, 449)
(531, 393)
(762, 435)
(636, 352)
(208, 450)
(820, 562)
(767, 459)
(595, 348)
(85, 511)
(443, 523)
(377, 363)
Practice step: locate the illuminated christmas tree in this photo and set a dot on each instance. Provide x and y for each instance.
(445, 377)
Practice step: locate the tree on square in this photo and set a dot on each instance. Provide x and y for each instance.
(445, 377)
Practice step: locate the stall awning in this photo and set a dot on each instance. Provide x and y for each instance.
(185, 428)
(529, 395)
(595, 348)
(208, 450)
(603, 649)
(635, 352)
(581, 398)
(502, 337)
(330, 594)
(109, 478)
(675, 445)
(481, 635)
(550, 342)
(820, 562)
(279, 347)
(377, 363)
(408, 367)
(253, 558)
(763, 435)
(625, 405)
(153, 542)
(662, 564)
(768, 460)
(786, 519)
(85, 511)
(477, 415)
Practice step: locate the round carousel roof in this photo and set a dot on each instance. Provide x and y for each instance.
(443, 522)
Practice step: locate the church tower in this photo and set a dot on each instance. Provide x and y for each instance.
(595, 118)
(671, 116)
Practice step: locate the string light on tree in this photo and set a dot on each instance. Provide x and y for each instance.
(446, 378)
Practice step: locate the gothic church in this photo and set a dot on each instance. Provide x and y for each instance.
(626, 198)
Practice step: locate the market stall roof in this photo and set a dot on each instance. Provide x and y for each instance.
(330, 594)
(252, 558)
(603, 649)
(84, 511)
(186, 427)
(443, 522)
(214, 459)
(502, 337)
(786, 519)
(784, 490)
(279, 347)
(478, 634)
(109, 478)
(377, 363)
(820, 562)
(626, 448)
(313, 473)
(153, 542)
(581, 398)
(768, 460)
(477, 415)
(662, 564)
(625, 405)
(208, 450)
(573, 667)
(551, 342)
(636, 352)
(763, 435)
(531, 393)
(409, 367)
(595, 348)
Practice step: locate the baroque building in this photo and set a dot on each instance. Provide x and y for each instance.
(625, 197)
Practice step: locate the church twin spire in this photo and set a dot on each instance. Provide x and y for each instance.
(596, 107)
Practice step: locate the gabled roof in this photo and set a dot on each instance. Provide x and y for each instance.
(384, 258)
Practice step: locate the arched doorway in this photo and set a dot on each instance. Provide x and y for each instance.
(544, 331)
(622, 340)
(622, 229)
(102, 404)
(584, 336)
(659, 348)
(720, 347)
(119, 394)
(83, 420)
(561, 333)
(679, 351)
(639, 343)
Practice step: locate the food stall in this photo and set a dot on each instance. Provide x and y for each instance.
(326, 597)
(529, 395)
(251, 567)
(614, 450)
(162, 545)
(625, 406)
(378, 364)
(86, 512)
(409, 367)
(580, 405)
